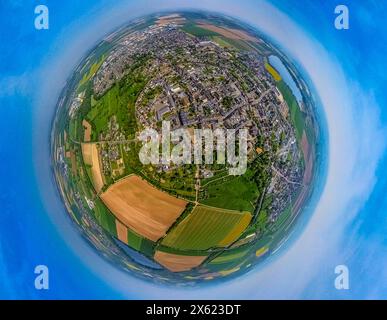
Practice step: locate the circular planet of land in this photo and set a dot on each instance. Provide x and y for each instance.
(207, 77)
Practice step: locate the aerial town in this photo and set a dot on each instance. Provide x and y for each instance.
(171, 221)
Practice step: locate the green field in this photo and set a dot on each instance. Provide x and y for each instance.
(92, 71)
(230, 256)
(190, 253)
(222, 41)
(195, 30)
(206, 228)
(233, 193)
(139, 243)
(282, 219)
(295, 112)
(74, 129)
(118, 101)
(231, 43)
(105, 218)
(82, 182)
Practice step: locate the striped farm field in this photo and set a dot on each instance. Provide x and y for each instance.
(277, 77)
(142, 208)
(227, 257)
(91, 158)
(207, 227)
(178, 263)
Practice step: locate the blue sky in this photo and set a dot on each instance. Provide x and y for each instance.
(347, 69)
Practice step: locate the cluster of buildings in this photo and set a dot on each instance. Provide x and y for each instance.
(111, 156)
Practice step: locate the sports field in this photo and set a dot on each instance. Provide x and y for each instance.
(143, 208)
(206, 228)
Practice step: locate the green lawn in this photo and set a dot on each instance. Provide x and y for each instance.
(206, 228)
(234, 193)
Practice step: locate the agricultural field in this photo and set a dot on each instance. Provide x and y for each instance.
(277, 77)
(195, 30)
(230, 33)
(233, 255)
(92, 161)
(133, 240)
(92, 71)
(143, 208)
(73, 129)
(122, 232)
(224, 36)
(105, 217)
(222, 41)
(87, 131)
(206, 228)
(168, 19)
(178, 263)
